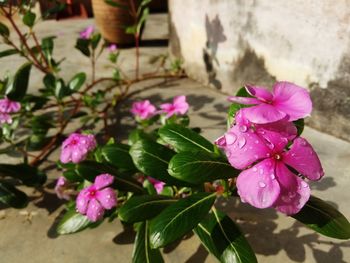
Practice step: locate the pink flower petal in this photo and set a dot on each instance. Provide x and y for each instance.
(259, 92)
(103, 180)
(95, 210)
(243, 146)
(82, 201)
(291, 99)
(158, 185)
(244, 100)
(304, 159)
(258, 185)
(263, 113)
(65, 156)
(295, 192)
(107, 198)
(5, 118)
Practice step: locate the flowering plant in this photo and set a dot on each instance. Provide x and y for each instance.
(167, 178)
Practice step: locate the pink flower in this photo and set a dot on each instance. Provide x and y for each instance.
(87, 32)
(112, 47)
(143, 109)
(267, 181)
(286, 101)
(158, 185)
(62, 188)
(179, 106)
(6, 107)
(94, 199)
(76, 147)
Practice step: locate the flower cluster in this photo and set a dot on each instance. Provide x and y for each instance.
(264, 143)
(6, 107)
(144, 109)
(93, 200)
(76, 147)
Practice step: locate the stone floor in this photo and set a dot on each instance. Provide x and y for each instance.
(27, 235)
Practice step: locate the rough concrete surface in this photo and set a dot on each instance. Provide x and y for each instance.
(27, 235)
(227, 44)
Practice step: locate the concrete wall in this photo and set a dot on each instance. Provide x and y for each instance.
(227, 43)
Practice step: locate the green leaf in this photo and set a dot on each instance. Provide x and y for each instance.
(300, 126)
(221, 237)
(47, 46)
(117, 154)
(142, 252)
(242, 92)
(90, 169)
(184, 139)
(29, 18)
(11, 196)
(29, 175)
(8, 52)
(152, 159)
(83, 46)
(179, 218)
(143, 207)
(18, 88)
(200, 167)
(77, 81)
(58, 7)
(95, 40)
(4, 30)
(72, 222)
(324, 219)
(142, 19)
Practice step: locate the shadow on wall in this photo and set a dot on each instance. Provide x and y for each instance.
(215, 35)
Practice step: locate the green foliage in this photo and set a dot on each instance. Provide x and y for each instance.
(27, 174)
(11, 196)
(324, 219)
(72, 222)
(29, 18)
(222, 238)
(19, 85)
(179, 218)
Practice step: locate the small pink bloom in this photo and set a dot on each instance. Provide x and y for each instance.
(6, 107)
(76, 147)
(158, 185)
(143, 109)
(112, 47)
(62, 188)
(87, 32)
(179, 106)
(286, 101)
(93, 200)
(267, 180)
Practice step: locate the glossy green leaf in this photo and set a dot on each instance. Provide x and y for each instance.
(242, 92)
(117, 154)
(28, 175)
(77, 81)
(152, 159)
(8, 52)
(18, 88)
(29, 18)
(142, 252)
(47, 46)
(72, 222)
(83, 46)
(11, 196)
(184, 139)
(179, 218)
(200, 167)
(143, 207)
(222, 238)
(300, 126)
(324, 219)
(4, 30)
(95, 40)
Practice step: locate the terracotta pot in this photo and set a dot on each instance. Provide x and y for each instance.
(112, 21)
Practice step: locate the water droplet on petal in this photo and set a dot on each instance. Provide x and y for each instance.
(256, 156)
(293, 154)
(262, 184)
(243, 128)
(303, 142)
(230, 138)
(261, 171)
(304, 184)
(241, 142)
(268, 155)
(272, 176)
(257, 141)
(255, 169)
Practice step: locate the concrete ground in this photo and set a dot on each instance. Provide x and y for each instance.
(28, 235)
